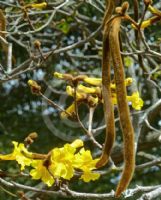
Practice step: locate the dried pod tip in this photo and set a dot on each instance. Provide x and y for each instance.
(118, 10)
(124, 7)
(148, 2)
(122, 10)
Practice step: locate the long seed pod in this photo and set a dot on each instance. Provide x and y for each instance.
(2, 24)
(106, 91)
(124, 113)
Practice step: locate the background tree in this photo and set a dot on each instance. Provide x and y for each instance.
(66, 37)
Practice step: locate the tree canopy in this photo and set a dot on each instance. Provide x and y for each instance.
(59, 100)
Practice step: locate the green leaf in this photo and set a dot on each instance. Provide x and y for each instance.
(128, 61)
(63, 26)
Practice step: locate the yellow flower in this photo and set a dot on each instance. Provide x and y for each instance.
(137, 102)
(58, 163)
(70, 110)
(82, 93)
(37, 5)
(62, 170)
(61, 166)
(85, 162)
(41, 172)
(79, 95)
(17, 155)
(154, 10)
(114, 99)
(67, 77)
(58, 75)
(148, 22)
(70, 90)
(88, 176)
(128, 82)
(93, 81)
(77, 143)
(64, 154)
(98, 82)
(88, 90)
(145, 23)
(62, 160)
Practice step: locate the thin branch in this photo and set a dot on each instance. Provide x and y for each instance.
(151, 195)
(90, 122)
(80, 195)
(14, 185)
(80, 122)
(9, 61)
(53, 104)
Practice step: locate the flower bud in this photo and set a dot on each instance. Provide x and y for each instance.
(37, 5)
(93, 81)
(35, 88)
(37, 44)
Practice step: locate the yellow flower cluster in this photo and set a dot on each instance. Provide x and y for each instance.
(92, 95)
(60, 163)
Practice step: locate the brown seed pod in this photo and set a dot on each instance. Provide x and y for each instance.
(2, 24)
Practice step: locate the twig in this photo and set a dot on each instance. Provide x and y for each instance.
(80, 195)
(14, 185)
(151, 127)
(80, 123)
(90, 122)
(53, 104)
(9, 61)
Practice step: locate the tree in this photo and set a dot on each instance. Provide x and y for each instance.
(64, 38)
